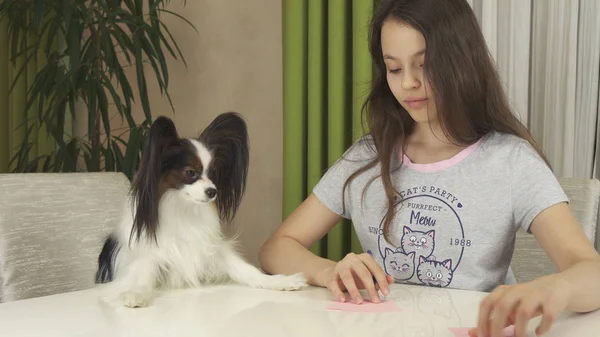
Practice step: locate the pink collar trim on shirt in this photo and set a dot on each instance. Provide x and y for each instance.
(443, 164)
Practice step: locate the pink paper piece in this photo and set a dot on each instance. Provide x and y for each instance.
(366, 306)
(509, 331)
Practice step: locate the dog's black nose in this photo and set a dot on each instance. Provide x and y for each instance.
(211, 192)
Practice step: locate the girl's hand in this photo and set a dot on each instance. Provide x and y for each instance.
(517, 304)
(356, 272)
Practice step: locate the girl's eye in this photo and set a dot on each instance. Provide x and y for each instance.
(394, 71)
(190, 173)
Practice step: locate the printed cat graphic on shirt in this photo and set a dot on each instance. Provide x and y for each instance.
(420, 243)
(399, 265)
(434, 273)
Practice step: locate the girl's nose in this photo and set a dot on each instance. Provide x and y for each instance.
(410, 80)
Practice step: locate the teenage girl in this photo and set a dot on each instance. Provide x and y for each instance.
(442, 182)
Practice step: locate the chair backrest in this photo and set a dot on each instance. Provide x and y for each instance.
(530, 261)
(52, 227)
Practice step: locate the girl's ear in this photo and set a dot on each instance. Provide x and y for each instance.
(144, 188)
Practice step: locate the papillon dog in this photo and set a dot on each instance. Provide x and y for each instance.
(171, 234)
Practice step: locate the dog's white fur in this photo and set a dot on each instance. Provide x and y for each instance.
(191, 249)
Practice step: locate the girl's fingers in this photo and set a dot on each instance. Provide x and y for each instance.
(527, 309)
(549, 312)
(389, 278)
(503, 309)
(334, 287)
(473, 332)
(366, 278)
(380, 276)
(485, 310)
(348, 280)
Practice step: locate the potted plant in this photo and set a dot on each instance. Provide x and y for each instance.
(86, 45)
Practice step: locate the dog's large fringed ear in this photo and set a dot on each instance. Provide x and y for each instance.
(145, 186)
(227, 137)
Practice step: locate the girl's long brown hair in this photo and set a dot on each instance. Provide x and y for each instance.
(469, 96)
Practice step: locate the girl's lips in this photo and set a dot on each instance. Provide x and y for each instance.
(416, 103)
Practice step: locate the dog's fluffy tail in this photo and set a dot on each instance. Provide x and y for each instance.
(106, 260)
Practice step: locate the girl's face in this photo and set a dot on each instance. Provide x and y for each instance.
(403, 50)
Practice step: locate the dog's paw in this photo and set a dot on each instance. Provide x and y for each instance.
(283, 282)
(133, 299)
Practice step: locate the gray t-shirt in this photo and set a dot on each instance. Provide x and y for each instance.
(457, 223)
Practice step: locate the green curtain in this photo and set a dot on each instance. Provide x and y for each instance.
(326, 76)
(14, 120)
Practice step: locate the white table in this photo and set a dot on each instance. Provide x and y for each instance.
(230, 310)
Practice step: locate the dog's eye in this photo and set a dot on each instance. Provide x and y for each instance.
(190, 173)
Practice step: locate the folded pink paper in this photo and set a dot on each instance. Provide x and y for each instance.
(366, 306)
(509, 331)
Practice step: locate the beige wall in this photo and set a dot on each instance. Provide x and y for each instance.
(234, 64)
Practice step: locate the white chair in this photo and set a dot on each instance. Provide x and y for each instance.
(52, 227)
(530, 261)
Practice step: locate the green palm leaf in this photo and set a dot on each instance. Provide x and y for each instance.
(86, 47)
